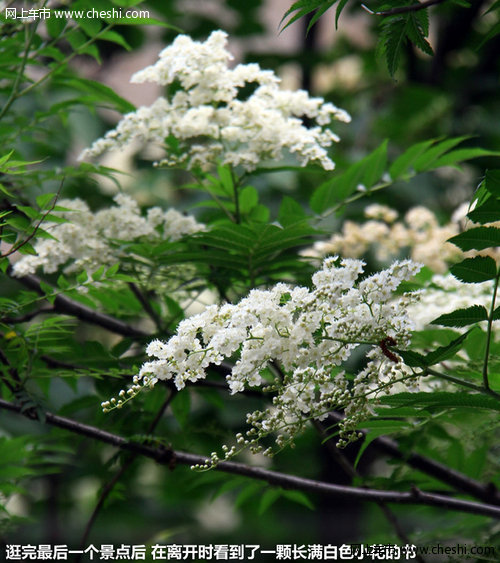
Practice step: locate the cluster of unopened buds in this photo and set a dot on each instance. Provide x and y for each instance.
(126, 396)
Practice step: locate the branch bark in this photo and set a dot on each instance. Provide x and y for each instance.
(487, 493)
(67, 306)
(170, 457)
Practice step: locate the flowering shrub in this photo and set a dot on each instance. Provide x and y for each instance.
(253, 336)
(292, 343)
(205, 121)
(84, 240)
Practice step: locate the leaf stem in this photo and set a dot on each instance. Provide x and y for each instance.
(54, 69)
(15, 88)
(236, 197)
(403, 9)
(486, 383)
(463, 383)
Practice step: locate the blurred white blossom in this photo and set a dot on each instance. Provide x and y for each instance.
(85, 240)
(419, 235)
(209, 118)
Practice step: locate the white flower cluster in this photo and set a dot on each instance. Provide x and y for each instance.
(292, 342)
(419, 233)
(209, 120)
(84, 240)
(444, 294)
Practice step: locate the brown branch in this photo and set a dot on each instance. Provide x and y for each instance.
(106, 491)
(168, 457)
(67, 306)
(484, 492)
(146, 305)
(338, 457)
(487, 493)
(403, 9)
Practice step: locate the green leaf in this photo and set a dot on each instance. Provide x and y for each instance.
(378, 428)
(327, 4)
(443, 399)
(44, 200)
(459, 155)
(413, 359)
(444, 352)
(463, 317)
(27, 248)
(475, 270)
(248, 199)
(492, 182)
(62, 282)
(478, 238)
(302, 7)
(404, 161)
(4, 190)
(290, 212)
(364, 173)
(426, 160)
(269, 497)
(55, 26)
(392, 40)
(298, 497)
(226, 179)
(5, 158)
(181, 406)
(418, 30)
(115, 37)
(340, 7)
(97, 275)
(82, 277)
(111, 271)
(397, 30)
(488, 212)
(101, 92)
(76, 39)
(91, 26)
(248, 492)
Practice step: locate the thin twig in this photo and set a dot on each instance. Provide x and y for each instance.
(15, 88)
(166, 456)
(146, 305)
(22, 243)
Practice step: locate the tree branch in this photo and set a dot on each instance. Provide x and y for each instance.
(484, 492)
(350, 470)
(146, 305)
(67, 306)
(170, 457)
(403, 9)
(106, 491)
(487, 493)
